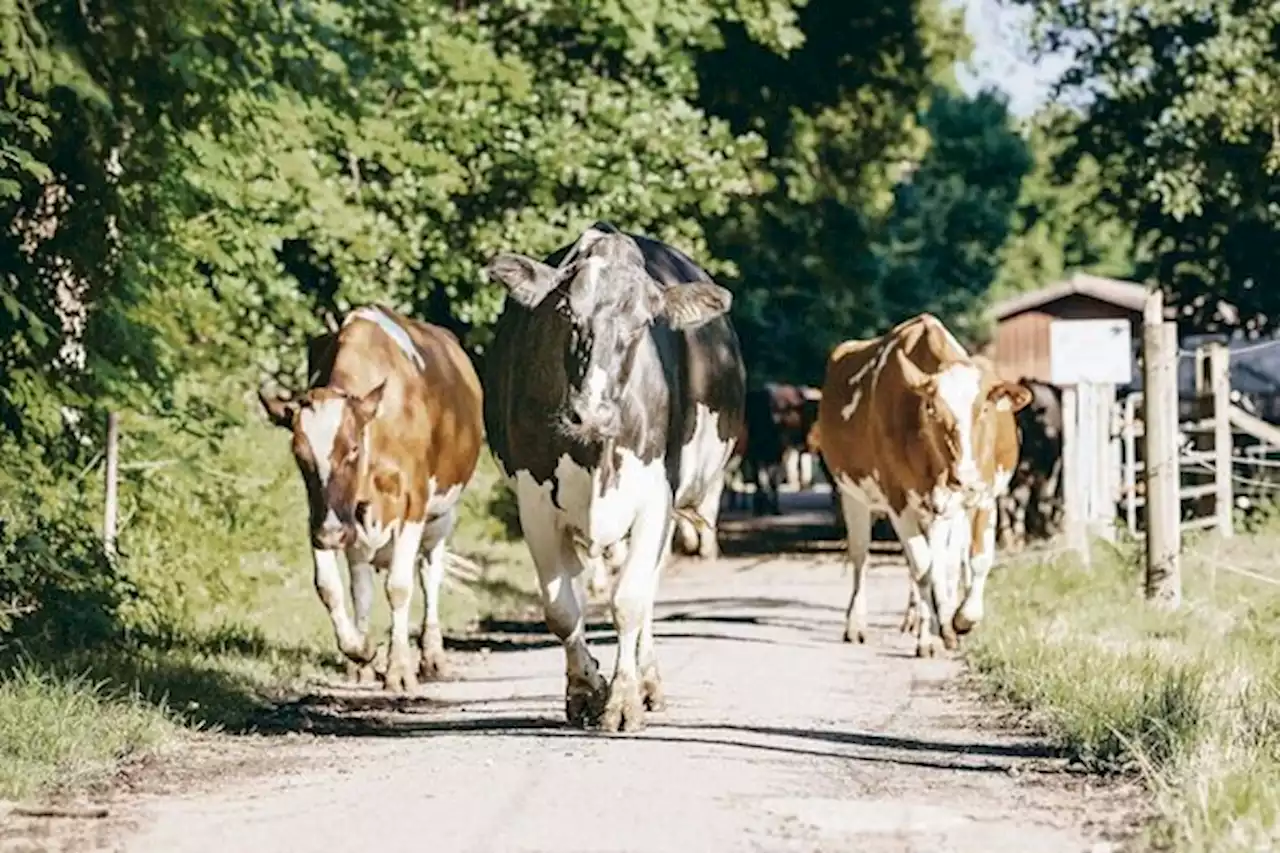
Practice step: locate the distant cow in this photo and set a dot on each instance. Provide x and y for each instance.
(901, 426)
(614, 390)
(777, 422)
(997, 447)
(1031, 508)
(386, 437)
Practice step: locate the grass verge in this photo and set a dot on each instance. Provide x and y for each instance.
(1191, 700)
(233, 627)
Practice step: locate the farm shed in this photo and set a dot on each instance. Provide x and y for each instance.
(1020, 346)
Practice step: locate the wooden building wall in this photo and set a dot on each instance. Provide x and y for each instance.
(1020, 348)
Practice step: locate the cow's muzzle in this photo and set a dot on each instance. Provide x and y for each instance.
(591, 421)
(331, 534)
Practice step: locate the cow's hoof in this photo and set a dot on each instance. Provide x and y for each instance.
(361, 674)
(584, 701)
(926, 649)
(655, 698)
(910, 621)
(949, 639)
(855, 635)
(709, 548)
(435, 667)
(624, 711)
(962, 624)
(433, 664)
(401, 674)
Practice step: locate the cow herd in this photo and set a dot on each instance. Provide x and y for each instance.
(614, 400)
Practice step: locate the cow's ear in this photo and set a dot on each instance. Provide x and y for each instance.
(528, 281)
(687, 306)
(368, 406)
(279, 406)
(917, 381)
(1010, 397)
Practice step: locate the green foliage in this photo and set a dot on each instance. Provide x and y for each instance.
(1180, 120)
(1059, 228)
(951, 218)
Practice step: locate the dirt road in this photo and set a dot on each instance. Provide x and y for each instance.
(778, 737)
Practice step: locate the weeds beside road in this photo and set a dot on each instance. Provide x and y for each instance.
(1190, 700)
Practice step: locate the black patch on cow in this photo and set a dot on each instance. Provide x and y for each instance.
(527, 382)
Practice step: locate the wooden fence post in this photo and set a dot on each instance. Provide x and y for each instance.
(1220, 384)
(1073, 522)
(1160, 412)
(111, 504)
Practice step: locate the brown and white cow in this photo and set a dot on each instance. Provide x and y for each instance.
(901, 431)
(386, 437)
(997, 440)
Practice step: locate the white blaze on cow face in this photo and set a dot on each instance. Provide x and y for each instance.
(319, 424)
(958, 388)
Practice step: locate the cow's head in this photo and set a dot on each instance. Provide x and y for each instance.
(331, 447)
(957, 405)
(609, 299)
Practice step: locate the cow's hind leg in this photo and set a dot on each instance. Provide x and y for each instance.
(401, 673)
(558, 566)
(632, 608)
(432, 662)
(709, 509)
(361, 672)
(857, 522)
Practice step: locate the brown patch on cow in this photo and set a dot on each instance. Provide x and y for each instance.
(897, 435)
(423, 422)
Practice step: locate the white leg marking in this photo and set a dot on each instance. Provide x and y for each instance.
(636, 588)
(857, 523)
(709, 509)
(401, 675)
(971, 611)
(432, 664)
(556, 561)
(351, 641)
(651, 692)
(361, 569)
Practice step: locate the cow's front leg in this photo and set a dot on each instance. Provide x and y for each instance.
(557, 563)
(357, 645)
(634, 593)
(361, 672)
(432, 663)
(971, 610)
(651, 691)
(917, 547)
(401, 667)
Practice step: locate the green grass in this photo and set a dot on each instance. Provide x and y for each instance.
(1191, 700)
(225, 622)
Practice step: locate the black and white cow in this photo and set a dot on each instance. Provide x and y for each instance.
(613, 393)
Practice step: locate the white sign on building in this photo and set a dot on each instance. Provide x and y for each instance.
(1090, 351)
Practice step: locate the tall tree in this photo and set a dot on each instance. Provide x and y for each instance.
(841, 116)
(1181, 99)
(949, 221)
